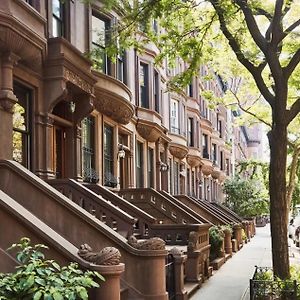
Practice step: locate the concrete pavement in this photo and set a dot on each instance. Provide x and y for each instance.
(231, 282)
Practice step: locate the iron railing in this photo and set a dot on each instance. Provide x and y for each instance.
(170, 277)
(262, 288)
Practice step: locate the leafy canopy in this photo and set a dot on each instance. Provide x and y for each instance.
(36, 278)
(247, 197)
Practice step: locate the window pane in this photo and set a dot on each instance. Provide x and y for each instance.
(144, 88)
(19, 121)
(57, 8)
(98, 31)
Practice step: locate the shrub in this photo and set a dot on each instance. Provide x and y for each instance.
(36, 278)
(216, 237)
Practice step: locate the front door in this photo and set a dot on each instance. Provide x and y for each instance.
(60, 149)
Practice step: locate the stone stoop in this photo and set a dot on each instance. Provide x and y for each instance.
(227, 256)
(217, 263)
(191, 288)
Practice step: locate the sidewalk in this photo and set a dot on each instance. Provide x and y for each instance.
(231, 282)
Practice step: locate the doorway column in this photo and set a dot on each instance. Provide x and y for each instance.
(7, 101)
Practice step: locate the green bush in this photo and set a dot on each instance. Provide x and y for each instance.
(216, 237)
(36, 278)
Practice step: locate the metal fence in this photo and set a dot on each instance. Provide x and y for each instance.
(170, 276)
(263, 288)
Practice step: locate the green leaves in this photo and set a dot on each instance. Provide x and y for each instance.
(37, 278)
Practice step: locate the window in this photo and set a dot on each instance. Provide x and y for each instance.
(22, 126)
(121, 67)
(190, 90)
(150, 167)
(174, 116)
(220, 127)
(100, 27)
(214, 153)
(156, 91)
(191, 132)
(144, 85)
(139, 165)
(88, 150)
(227, 167)
(205, 146)
(34, 3)
(58, 28)
(108, 157)
(222, 160)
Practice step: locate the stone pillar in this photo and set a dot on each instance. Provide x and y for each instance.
(237, 231)
(179, 260)
(7, 101)
(227, 241)
(45, 136)
(110, 288)
(193, 266)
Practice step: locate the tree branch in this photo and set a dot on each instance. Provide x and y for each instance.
(293, 111)
(252, 25)
(256, 72)
(287, 7)
(246, 110)
(277, 22)
(289, 69)
(290, 29)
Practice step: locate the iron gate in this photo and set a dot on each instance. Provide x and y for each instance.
(170, 276)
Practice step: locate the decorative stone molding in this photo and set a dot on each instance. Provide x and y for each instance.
(207, 166)
(178, 150)
(215, 174)
(149, 131)
(193, 161)
(154, 243)
(193, 241)
(78, 81)
(113, 98)
(222, 177)
(108, 256)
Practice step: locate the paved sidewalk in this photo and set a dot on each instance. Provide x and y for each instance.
(231, 282)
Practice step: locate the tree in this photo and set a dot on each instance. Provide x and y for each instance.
(264, 37)
(247, 197)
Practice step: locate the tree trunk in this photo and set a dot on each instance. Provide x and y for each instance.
(278, 204)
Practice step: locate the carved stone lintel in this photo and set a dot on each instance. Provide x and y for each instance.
(107, 256)
(154, 243)
(77, 80)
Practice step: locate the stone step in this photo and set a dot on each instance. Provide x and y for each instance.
(217, 263)
(191, 287)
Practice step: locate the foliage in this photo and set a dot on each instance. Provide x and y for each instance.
(244, 236)
(271, 283)
(36, 278)
(226, 227)
(260, 40)
(246, 197)
(216, 237)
